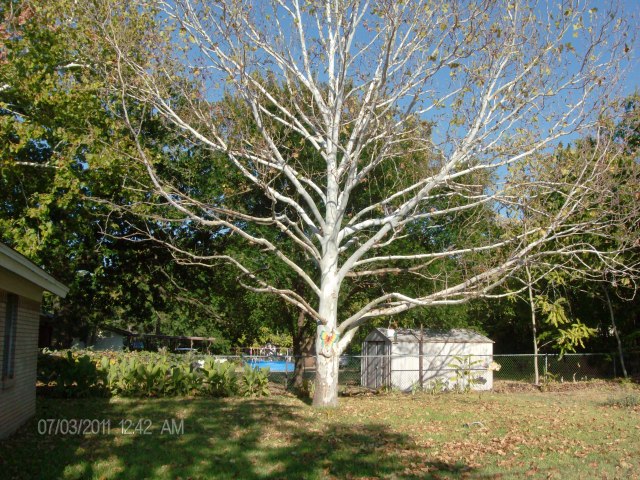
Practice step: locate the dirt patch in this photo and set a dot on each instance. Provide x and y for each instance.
(499, 386)
(504, 386)
(507, 386)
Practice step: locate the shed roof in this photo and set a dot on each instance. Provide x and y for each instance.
(119, 331)
(20, 265)
(413, 335)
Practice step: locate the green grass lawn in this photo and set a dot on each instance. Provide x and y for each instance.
(567, 434)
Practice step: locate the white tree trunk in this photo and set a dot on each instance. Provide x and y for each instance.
(327, 346)
(326, 385)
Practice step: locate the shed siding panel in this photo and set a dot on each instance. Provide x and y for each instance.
(113, 342)
(18, 400)
(3, 311)
(439, 363)
(444, 361)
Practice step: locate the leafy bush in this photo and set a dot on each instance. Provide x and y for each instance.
(71, 375)
(147, 374)
(134, 376)
(464, 373)
(255, 382)
(182, 381)
(219, 379)
(433, 387)
(49, 364)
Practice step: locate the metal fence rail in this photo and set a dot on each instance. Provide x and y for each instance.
(409, 372)
(446, 371)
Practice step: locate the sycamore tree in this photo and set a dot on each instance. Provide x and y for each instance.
(450, 96)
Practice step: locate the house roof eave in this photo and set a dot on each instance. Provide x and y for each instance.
(20, 265)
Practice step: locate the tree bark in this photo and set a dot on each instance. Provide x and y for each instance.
(615, 331)
(302, 345)
(536, 371)
(327, 351)
(326, 385)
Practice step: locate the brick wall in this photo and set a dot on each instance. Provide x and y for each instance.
(18, 399)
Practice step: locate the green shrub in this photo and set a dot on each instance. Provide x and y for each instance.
(182, 381)
(254, 382)
(49, 364)
(119, 378)
(219, 379)
(76, 376)
(149, 375)
(465, 375)
(131, 375)
(146, 374)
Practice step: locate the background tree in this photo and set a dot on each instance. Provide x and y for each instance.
(62, 151)
(565, 284)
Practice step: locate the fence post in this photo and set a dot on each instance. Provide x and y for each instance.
(546, 364)
(376, 369)
(420, 359)
(286, 373)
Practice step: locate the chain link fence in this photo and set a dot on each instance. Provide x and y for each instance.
(569, 367)
(407, 372)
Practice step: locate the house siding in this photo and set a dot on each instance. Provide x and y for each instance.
(17, 398)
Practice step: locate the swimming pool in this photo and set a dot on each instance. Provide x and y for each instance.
(272, 365)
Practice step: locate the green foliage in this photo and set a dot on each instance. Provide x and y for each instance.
(307, 389)
(553, 310)
(266, 335)
(547, 378)
(70, 374)
(145, 374)
(566, 335)
(439, 385)
(135, 375)
(254, 382)
(465, 373)
(76, 376)
(416, 388)
(219, 379)
(182, 381)
(568, 339)
(62, 151)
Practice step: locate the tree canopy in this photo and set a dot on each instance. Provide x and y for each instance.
(372, 127)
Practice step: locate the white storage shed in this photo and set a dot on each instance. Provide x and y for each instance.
(420, 358)
(110, 338)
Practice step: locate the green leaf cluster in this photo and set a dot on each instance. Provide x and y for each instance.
(146, 374)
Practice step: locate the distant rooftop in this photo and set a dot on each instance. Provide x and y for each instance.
(412, 335)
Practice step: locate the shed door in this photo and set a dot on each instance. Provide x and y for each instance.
(377, 365)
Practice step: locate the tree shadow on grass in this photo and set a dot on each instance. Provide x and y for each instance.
(273, 438)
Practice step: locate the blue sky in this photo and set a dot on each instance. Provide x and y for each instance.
(632, 81)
